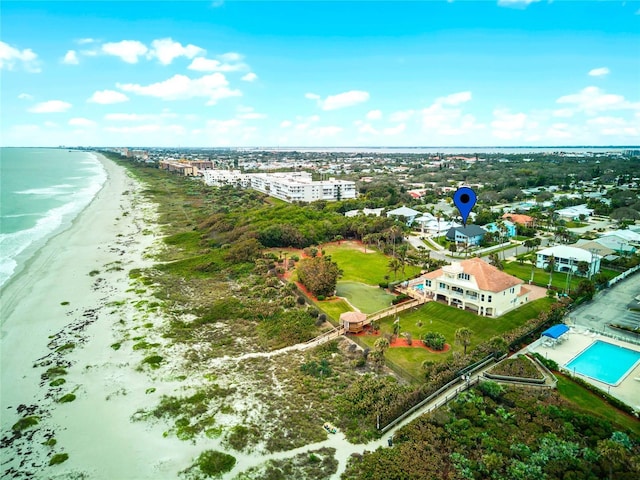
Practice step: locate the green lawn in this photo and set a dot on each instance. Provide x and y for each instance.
(446, 320)
(366, 298)
(369, 268)
(333, 308)
(591, 403)
(540, 277)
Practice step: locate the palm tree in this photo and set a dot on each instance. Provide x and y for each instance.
(551, 265)
(463, 337)
(381, 344)
(394, 266)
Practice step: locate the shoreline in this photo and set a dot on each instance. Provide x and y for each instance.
(40, 331)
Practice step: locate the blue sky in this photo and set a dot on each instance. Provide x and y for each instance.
(236, 73)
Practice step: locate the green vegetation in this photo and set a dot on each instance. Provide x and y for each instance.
(333, 307)
(66, 347)
(589, 402)
(25, 422)
(503, 434)
(50, 443)
(153, 361)
(54, 372)
(319, 275)
(369, 268)
(57, 382)
(314, 465)
(93, 273)
(64, 303)
(519, 366)
(59, 458)
(213, 463)
(69, 397)
(366, 298)
(116, 346)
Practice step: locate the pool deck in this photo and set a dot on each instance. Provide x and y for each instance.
(628, 390)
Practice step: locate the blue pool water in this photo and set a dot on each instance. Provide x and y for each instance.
(604, 362)
(419, 287)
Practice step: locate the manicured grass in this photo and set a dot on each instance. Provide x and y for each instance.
(333, 308)
(410, 359)
(436, 317)
(369, 268)
(540, 277)
(366, 298)
(592, 404)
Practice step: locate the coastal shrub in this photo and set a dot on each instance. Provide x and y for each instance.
(65, 347)
(93, 273)
(64, 303)
(383, 284)
(547, 362)
(54, 372)
(150, 390)
(58, 458)
(313, 312)
(491, 389)
(240, 435)
(25, 422)
(57, 382)
(400, 298)
(69, 397)
(213, 463)
(321, 298)
(517, 367)
(153, 361)
(50, 443)
(434, 340)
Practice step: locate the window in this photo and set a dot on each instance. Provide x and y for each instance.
(427, 283)
(482, 297)
(443, 286)
(464, 276)
(489, 299)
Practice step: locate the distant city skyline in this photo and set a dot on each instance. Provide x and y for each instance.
(461, 74)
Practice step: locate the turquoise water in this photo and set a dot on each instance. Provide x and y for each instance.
(604, 362)
(41, 192)
(419, 287)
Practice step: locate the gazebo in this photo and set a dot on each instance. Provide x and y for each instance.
(555, 334)
(353, 322)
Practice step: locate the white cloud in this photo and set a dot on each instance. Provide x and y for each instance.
(614, 126)
(223, 126)
(71, 58)
(127, 50)
(201, 64)
(507, 125)
(25, 96)
(285, 124)
(516, 3)
(395, 130)
(250, 77)
(107, 97)
(559, 131)
(599, 72)
(10, 57)
(401, 116)
(366, 128)
(52, 106)
(89, 53)
(81, 122)
(341, 100)
(454, 98)
(591, 100)
(231, 57)
(166, 50)
(374, 115)
(180, 87)
(84, 41)
(563, 112)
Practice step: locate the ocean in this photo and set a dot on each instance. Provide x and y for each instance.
(42, 190)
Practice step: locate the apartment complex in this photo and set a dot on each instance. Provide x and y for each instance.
(287, 186)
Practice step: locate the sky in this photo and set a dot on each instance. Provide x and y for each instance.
(363, 73)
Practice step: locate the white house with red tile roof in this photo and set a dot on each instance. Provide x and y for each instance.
(475, 285)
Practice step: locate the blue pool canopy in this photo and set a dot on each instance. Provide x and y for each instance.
(555, 331)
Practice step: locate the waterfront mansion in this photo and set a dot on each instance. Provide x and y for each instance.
(473, 285)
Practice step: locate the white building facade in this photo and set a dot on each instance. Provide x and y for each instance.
(287, 186)
(473, 285)
(566, 259)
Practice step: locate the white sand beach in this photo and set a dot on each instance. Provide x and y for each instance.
(108, 239)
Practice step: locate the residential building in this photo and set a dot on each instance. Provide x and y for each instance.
(435, 227)
(474, 285)
(621, 245)
(406, 214)
(470, 235)
(574, 213)
(566, 259)
(520, 219)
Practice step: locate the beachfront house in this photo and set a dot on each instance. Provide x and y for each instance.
(469, 235)
(474, 285)
(566, 258)
(575, 212)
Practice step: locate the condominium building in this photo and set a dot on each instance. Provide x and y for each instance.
(287, 186)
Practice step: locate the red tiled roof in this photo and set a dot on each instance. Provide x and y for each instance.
(518, 218)
(488, 277)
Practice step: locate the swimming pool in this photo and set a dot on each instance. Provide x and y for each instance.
(604, 362)
(419, 287)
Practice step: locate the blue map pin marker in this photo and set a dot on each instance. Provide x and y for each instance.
(464, 199)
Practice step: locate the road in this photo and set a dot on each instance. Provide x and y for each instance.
(610, 306)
